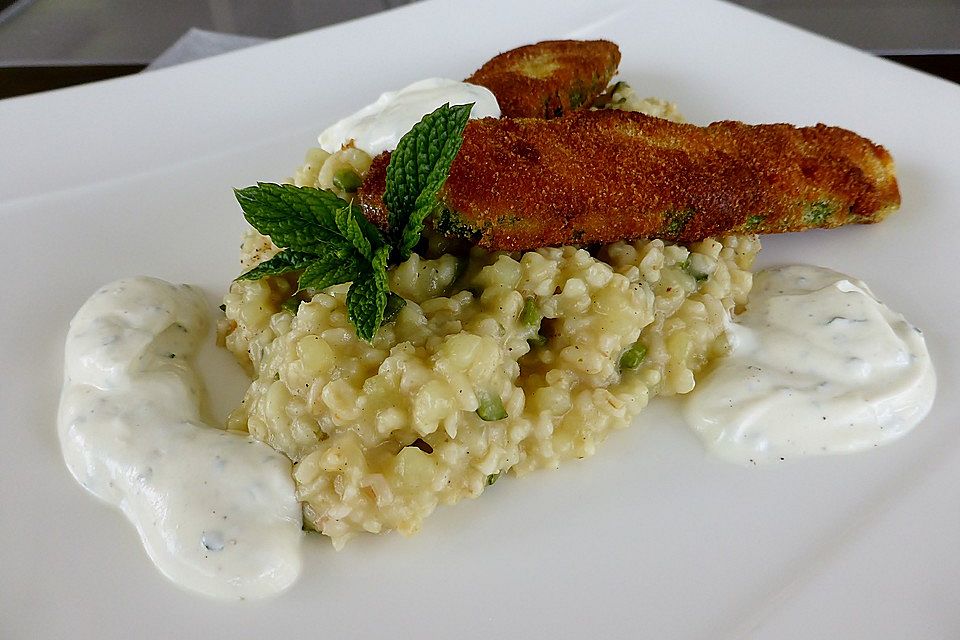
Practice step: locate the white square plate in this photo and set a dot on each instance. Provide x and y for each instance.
(650, 537)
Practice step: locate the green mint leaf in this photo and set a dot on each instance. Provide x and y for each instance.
(283, 262)
(369, 230)
(367, 297)
(298, 218)
(418, 169)
(426, 202)
(336, 266)
(394, 304)
(348, 223)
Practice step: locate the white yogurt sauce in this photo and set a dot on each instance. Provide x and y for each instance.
(379, 126)
(818, 365)
(216, 510)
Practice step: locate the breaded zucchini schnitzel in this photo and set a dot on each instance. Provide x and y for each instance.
(550, 78)
(602, 176)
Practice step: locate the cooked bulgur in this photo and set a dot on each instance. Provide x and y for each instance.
(568, 343)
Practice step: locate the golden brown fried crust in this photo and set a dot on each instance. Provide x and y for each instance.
(602, 176)
(550, 78)
(370, 194)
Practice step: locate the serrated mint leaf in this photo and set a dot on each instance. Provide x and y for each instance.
(298, 218)
(333, 267)
(394, 304)
(420, 163)
(284, 262)
(367, 297)
(369, 230)
(426, 203)
(347, 220)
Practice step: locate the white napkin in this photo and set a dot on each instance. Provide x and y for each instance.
(198, 43)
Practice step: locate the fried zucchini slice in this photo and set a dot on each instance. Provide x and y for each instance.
(550, 78)
(602, 176)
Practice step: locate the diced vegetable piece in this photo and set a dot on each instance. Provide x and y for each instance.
(633, 357)
(491, 407)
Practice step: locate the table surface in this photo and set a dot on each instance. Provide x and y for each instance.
(47, 44)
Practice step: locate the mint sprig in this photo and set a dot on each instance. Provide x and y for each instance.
(418, 170)
(326, 238)
(329, 240)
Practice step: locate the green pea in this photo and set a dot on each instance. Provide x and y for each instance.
(633, 356)
(530, 314)
(346, 179)
(490, 407)
(493, 477)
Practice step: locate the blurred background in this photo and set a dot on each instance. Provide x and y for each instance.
(50, 43)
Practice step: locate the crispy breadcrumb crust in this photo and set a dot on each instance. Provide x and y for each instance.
(602, 176)
(550, 78)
